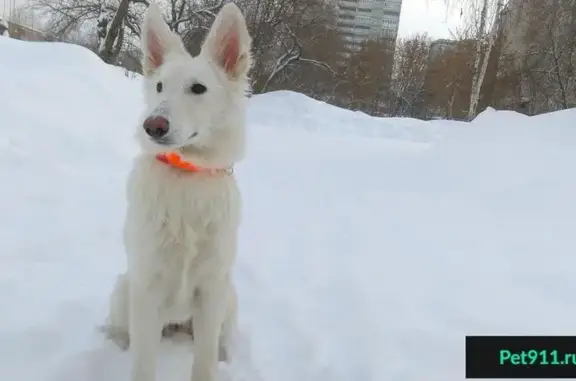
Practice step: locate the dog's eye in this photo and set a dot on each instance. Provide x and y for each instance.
(198, 88)
(159, 87)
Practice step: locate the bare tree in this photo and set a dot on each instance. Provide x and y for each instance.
(111, 44)
(448, 81)
(483, 54)
(364, 81)
(409, 74)
(477, 71)
(550, 57)
(482, 17)
(111, 23)
(283, 32)
(295, 53)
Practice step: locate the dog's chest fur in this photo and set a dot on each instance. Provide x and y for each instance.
(173, 221)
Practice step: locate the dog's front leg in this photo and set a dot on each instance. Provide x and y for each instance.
(145, 332)
(208, 318)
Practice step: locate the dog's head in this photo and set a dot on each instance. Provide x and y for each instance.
(196, 105)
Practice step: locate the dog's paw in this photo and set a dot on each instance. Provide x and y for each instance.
(171, 329)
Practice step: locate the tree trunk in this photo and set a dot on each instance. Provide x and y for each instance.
(475, 91)
(482, 73)
(106, 50)
(119, 42)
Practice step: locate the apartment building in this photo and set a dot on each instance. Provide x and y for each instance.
(359, 20)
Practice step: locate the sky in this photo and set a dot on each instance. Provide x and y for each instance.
(417, 16)
(427, 16)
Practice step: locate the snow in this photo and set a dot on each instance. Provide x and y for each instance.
(369, 248)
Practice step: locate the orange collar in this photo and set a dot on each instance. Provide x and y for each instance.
(175, 160)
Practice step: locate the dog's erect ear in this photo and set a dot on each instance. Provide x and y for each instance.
(228, 42)
(157, 40)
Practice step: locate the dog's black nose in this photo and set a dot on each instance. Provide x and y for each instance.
(156, 126)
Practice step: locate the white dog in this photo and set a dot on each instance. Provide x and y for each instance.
(183, 202)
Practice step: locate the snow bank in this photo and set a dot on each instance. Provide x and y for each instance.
(303, 113)
(370, 246)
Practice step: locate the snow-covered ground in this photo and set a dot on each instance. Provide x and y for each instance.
(369, 248)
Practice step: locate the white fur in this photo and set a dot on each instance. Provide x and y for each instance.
(181, 228)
